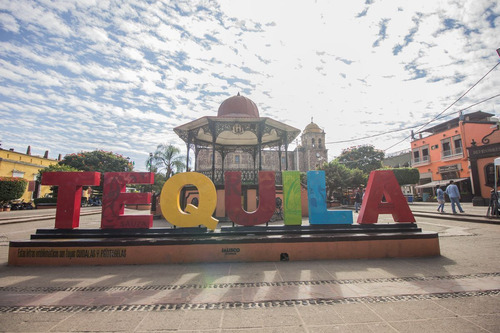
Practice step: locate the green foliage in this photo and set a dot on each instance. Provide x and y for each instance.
(358, 178)
(98, 161)
(406, 176)
(11, 188)
(303, 178)
(167, 157)
(54, 168)
(160, 179)
(339, 177)
(366, 158)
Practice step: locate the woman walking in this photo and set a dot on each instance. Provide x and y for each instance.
(440, 199)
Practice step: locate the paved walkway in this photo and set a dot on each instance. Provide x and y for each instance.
(456, 292)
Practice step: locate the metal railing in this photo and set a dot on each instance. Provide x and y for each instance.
(421, 160)
(248, 176)
(452, 153)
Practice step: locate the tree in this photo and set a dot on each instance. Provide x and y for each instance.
(11, 188)
(406, 176)
(337, 177)
(98, 161)
(365, 158)
(358, 178)
(54, 168)
(167, 157)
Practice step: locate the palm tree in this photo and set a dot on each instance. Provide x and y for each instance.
(167, 157)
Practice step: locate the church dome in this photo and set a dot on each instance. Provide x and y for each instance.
(238, 107)
(312, 128)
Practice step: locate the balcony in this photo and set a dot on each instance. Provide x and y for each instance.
(417, 161)
(452, 154)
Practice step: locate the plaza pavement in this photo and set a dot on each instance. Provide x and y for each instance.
(455, 292)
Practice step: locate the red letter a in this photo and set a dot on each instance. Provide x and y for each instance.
(384, 183)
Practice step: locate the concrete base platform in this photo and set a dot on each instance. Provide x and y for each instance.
(50, 247)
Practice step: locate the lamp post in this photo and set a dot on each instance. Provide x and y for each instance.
(151, 168)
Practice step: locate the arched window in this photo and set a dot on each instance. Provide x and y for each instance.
(319, 143)
(489, 175)
(313, 144)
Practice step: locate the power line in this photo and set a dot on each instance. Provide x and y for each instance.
(415, 126)
(441, 113)
(458, 99)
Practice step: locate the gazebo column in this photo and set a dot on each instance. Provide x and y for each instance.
(188, 144)
(279, 155)
(223, 155)
(196, 151)
(259, 138)
(254, 155)
(286, 153)
(214, 138)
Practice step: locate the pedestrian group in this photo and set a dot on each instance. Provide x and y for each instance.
(453, 193)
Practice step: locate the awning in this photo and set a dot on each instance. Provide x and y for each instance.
(440, 183)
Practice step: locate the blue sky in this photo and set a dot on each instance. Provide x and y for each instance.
(120, 75)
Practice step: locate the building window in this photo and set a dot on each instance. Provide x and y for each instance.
(319, 144)
(237, 159)
(446, 145)
(416, 155)
(452, 147)
(457, 143)
(425, 154)
(313, 143)
(17, 174)
(421, 155)
(283, 160)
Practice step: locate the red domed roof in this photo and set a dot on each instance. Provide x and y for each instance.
(238, 107)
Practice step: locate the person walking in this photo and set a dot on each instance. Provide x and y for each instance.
(357, 200)
(454, 195)
(440, 199)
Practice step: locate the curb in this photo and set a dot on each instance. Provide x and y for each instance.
(23, 219)
(456, 217)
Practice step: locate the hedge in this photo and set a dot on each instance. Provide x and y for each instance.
(12, 188)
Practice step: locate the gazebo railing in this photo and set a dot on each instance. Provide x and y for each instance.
(248, 176)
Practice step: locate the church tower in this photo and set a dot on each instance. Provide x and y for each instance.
(312, 152)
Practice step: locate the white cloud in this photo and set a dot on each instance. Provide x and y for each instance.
(9, 23)
(121, 75)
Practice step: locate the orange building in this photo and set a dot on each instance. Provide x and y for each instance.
(441, 153)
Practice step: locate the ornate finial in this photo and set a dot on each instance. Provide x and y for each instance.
(238, 93)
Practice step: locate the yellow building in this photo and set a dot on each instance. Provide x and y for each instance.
(15, 164)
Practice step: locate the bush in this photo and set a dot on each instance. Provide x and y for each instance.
(12, 188)
(406, 176)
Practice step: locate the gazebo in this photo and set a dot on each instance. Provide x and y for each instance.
(237, 127)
